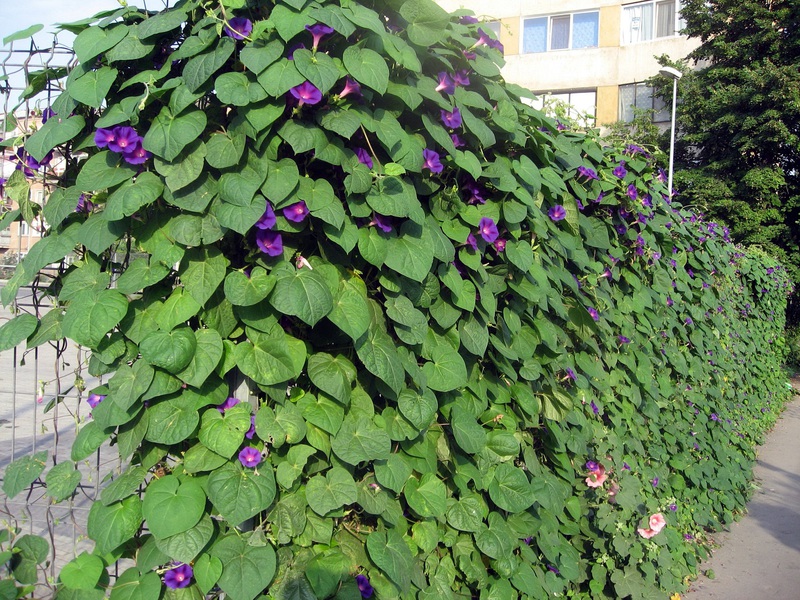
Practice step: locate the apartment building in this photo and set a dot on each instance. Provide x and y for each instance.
(595, 55)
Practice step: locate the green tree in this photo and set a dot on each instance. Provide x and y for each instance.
(739, 118)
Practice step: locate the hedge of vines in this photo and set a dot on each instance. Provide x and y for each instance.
(487, 357)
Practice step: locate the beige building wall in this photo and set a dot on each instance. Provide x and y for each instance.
(603, 69)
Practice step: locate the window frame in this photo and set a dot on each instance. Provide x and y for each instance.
(653, 99)
(549, 31)
(677, 21)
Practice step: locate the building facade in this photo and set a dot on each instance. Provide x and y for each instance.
(593, 54)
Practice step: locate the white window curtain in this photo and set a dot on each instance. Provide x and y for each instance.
(559, 34)
(534, 35)
(637, 23)
(665, 19)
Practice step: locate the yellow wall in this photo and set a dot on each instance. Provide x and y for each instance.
(607, 104)
(610, 18)
(509, 35)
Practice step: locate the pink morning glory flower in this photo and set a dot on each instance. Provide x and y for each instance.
(250, 457)
(557, 213)
(431, 161)
(318, 31)
(269, 242)
(296, 212)
(351, 86)
(488, 229)
(238, 28)
(364, 158)
(306, 93)
(267, 220)
(179, 577)
(451, 119)
(446, 83)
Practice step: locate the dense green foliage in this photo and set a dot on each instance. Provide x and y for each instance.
(519, 373)
(739, 121)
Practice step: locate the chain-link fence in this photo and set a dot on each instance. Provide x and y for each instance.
(42, 389)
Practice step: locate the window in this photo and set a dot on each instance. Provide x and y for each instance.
(560, 32)
(640, 95)
(578, 103)
(650, 20)
(493, 26)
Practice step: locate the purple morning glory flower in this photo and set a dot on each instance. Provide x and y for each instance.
(269, 242)
(469, 55)
(351, 86)
(102, 137)
(364, 586)
(633, 193)
(431, 161)
(124, 140)
(594, 407)
(461, 77)
(592, 465)
(488, 229)
(467, 20)
(381, 222)
(557, 213)
(267, 220)
(673, 507)
(238, 28)
(34, 164)
(457, 141)
(620, 171)
(571, 374)
(179, 577)
(486, 40)
(94, 399)
(655, 481)
(318, 31)
(593, 313)
(250, 457)
(297, 212)
(451, 119)
(500, 244)
(714, 417)
(626, 466)
(290, 56)
(229, 403)
(364, 158)
(306, 93)
(587, 172)
(136, 155)
(84, 204)
(47, 113)
(252, 431)
(623, 339)
(446, 83)
(472, 242)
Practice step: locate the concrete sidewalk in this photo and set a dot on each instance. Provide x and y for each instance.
(759, 557)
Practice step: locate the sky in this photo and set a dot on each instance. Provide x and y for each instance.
(16, 15)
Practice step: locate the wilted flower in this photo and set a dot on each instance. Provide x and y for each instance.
(461, 78)
(457, 141)
(239, 28)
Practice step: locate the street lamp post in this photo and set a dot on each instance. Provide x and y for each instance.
(673, 74)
